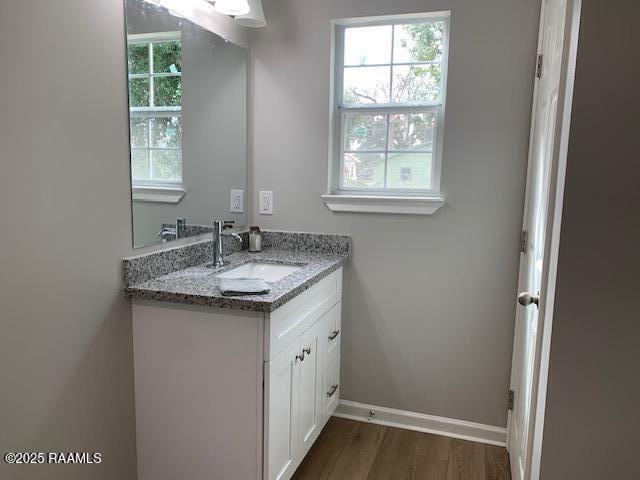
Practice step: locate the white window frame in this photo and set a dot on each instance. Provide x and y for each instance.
(155, 190)
(383, 200)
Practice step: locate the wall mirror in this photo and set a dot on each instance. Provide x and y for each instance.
(188, 123)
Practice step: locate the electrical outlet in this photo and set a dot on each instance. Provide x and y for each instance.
(266, 203)
(237, 201)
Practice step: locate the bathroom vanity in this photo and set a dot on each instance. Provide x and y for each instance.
(235, 387)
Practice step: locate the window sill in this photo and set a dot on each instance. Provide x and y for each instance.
(158, 194)
(383, 204)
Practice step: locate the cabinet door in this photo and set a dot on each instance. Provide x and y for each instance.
(311, 414)
(282, 375)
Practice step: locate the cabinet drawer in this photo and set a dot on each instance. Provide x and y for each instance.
(331, 391)
(332, 333)
(289, 321)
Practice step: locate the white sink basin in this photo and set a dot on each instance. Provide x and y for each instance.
(269, 272)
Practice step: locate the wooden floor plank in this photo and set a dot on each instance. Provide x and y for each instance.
(466, 461)
(430, 458)
(358, 456)
(353, 450)
(497, 463)
(325, 452)
(345, 449)
(394, 458)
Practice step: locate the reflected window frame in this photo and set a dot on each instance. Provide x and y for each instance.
(152, 111)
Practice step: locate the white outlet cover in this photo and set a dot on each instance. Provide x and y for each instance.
(266, 203)
(237, 201)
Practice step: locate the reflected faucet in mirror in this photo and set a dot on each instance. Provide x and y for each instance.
(173, 233)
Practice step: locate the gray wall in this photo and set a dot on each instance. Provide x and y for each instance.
(66, 377)
(429, 300)
(214, 115)
(593, 398)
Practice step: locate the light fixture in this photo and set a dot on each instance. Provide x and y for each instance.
(232, 7)
(255, 17)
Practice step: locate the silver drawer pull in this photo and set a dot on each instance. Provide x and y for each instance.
(334, 334)
(332, 390)
(304, 350)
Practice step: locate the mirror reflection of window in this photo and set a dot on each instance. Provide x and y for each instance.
(155, 100)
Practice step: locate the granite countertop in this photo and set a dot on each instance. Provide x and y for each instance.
(198, 285)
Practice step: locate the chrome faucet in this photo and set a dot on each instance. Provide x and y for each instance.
(219, 231)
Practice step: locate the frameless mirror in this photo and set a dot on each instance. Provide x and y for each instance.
(188, 122)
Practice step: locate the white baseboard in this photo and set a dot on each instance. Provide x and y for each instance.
(448, 427)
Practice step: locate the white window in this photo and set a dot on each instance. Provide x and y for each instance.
(155, 106)
(387, 124)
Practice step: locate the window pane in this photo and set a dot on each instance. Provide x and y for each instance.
(166, 165)
(139, 164)
(366, 85)
(412, 131)
(166, 132)
(167, 57)
(139, 132)
(167, 91)
(139, 92)
(363, 170)
(409, 170)
(139, 58)
(418, 42)
(365, 132)
(416, 83)
(367, 45)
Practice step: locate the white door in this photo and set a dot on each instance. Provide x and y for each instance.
(282, 381)
(310, 422)
(543, 148)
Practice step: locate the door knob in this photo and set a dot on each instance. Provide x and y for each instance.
(525, 299)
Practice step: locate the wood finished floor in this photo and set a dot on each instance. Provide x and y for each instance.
(352, 450)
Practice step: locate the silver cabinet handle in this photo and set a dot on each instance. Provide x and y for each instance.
(334, 334)
(525, 299)
(304, 350)
(332, 390)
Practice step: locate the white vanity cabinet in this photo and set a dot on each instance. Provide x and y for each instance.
(229, 394)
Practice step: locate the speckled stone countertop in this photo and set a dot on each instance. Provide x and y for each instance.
(197, 284)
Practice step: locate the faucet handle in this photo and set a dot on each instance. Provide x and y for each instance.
(227, 224)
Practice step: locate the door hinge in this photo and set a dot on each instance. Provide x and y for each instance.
(539, 66)
(524, 239)
(511, 399)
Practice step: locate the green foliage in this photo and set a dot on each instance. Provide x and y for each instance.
(139, 92)
(167, 91)
(426, 41)
(139, 58)
(167, 58)
(166, 55)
